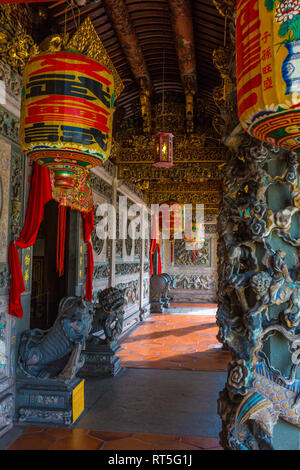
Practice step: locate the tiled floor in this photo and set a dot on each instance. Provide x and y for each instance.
(167, 341)
(80, 439)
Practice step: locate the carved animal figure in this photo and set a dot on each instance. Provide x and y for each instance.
(50, 353)
(237, 255)
(159, 287)
(165, 294)
(109, 315)
(271, 398)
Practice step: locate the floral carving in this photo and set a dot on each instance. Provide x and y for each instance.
(238, 376)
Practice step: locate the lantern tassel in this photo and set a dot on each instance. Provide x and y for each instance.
(172, 252)
(61, 236)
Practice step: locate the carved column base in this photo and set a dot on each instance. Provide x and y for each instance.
(45, 401)
(144, 312)
(157, 307)
(101, 360)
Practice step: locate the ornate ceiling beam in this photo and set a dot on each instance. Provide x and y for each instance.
(119, 16)
(182, 24)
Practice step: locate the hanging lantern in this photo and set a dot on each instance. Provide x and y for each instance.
(66, 117)
(268, 70)
(66, 120)
(163, 149)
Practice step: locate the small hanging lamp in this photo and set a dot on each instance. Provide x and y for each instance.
(163, 157)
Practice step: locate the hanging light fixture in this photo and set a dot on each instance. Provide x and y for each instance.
(163, 140)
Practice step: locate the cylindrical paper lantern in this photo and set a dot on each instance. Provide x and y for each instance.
(67, 112)
(268, 70)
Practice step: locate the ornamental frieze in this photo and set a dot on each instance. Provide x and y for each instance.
(131, 291)
(140, 149)
(184, 172)
(127, 268)
(194, 281)
(9, 125)
(210, 200)
(12, 80)
(101, 271)
(17, 186)
(101, 186)
(183, 257)
(203, 186)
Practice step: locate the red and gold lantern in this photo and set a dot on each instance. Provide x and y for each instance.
(268, 70)
(66, 120)
(163, 150)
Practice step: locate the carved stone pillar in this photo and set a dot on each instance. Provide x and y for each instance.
(259, 289)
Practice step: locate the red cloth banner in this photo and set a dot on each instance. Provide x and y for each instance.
(88, 226)
(153, 246)
(40, 193)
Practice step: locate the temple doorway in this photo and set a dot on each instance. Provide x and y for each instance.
(47, 287)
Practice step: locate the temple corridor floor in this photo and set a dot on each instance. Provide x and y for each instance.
(175, 341)
(165, 396)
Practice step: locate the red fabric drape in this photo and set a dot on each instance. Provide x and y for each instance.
(40, 193)
(61, 239)
(153, 246)
(88, 226)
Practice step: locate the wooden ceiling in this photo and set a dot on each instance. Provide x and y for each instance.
(151, 22)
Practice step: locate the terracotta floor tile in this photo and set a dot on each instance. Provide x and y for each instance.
(175, 446)
(127, 444)
(186, 342)
(203, 442)
(34, 429)
(215, 448)
(65, 432)
(156, 438)
(78, 439)
(32, 442)
(78, 442)
(109, 436)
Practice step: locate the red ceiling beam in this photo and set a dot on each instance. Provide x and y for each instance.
(119, 16)
(2, 2)
(182, 24)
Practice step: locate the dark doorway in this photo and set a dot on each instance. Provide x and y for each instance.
(47, 287)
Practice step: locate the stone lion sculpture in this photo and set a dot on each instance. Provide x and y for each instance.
(109, 314)
(55, 353)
